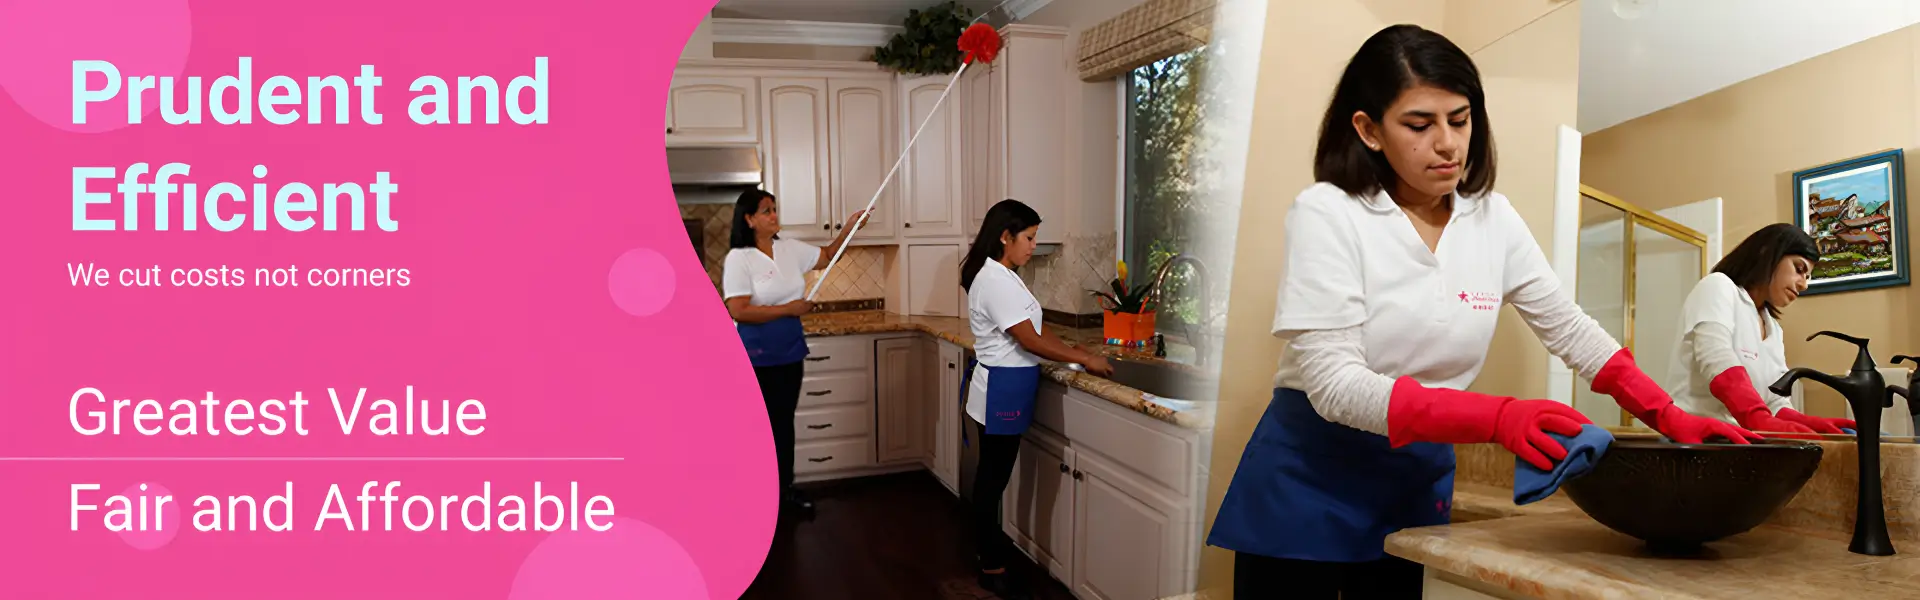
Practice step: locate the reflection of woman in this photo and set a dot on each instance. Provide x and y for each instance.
(763, 281)
(1731, 346)
(1397, 263)
(1008, 343)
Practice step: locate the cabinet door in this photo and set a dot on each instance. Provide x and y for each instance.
(897, 405)
(706, 110)
(860, 113)
(946, 437)
(933, 280)
(931, 177)
(1129, 542)
(979, 145)
(795, 111)
(1039, 502)
(1032, 117)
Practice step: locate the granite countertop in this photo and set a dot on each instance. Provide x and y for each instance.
(1569, 555)
(955, 330)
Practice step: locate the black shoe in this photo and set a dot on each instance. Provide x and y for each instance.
(798, 502)
(1004, 586)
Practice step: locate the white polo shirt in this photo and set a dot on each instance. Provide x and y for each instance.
(768, 280)
(1358, 265)
(996, 302)
(1717, 299)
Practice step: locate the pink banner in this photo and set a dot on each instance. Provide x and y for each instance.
(305, 320)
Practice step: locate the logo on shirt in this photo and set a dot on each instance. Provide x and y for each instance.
(1748, 355)
(1480, 300)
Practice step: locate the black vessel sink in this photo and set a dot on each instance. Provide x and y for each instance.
(1679, 496)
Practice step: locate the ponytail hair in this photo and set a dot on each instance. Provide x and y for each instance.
(1008, 216)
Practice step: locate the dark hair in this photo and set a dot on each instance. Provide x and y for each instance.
(1394, 60)
(1751, 264)
(749, 203)
(1007, 216)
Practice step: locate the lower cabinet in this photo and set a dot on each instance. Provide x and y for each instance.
(1097, 524)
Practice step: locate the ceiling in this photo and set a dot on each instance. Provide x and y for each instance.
(1640, 56)
(880, 12)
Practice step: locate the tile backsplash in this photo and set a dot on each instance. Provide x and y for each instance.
(1061, 280)
(861, 274)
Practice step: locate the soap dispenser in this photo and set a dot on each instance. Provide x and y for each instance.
(1867, 392)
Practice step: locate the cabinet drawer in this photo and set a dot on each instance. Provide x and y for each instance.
(832, 455)
(833, 421)
(839, 354)
(838, 388)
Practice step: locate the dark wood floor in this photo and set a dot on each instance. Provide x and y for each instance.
(895, 536)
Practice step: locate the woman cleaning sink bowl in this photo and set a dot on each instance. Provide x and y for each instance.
(1677, 497)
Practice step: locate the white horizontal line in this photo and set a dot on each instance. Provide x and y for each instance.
(310, 459)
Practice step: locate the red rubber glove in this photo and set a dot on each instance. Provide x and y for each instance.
(1634, 391)
(1417, 413)
(1818, 424)
(1735, 390)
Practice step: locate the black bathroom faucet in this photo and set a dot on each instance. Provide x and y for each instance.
(1866, 391)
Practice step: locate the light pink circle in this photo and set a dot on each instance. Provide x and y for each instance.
(631, 560)
(40, 39)
(167, 517)
(641, 282)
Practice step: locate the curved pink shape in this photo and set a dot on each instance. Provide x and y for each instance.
(40, 39)
(631, 560)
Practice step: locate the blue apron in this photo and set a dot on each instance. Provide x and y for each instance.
(778, 342)
(1010, 395)
(1311, 489)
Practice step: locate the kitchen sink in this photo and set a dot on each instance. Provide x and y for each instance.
(1165, 381)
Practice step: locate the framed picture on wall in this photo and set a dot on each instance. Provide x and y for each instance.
(1856, 211)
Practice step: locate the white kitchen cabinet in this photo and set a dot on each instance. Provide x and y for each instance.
(933, 280)
(713, 110)
(900, 401)
(1015, 140)
(1039, 502)
(1126, 536)
(950, 360)
(833, 424)
(930, 204)
(795, 151)
(1091, 499)
(861, 116)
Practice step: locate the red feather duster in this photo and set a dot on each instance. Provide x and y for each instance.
(980, 42)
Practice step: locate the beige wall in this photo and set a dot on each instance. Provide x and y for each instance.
(1743, 144)
(1531, 71)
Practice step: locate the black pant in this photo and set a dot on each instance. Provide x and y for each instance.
(1390, 578)
(997, 454)
(780, 387)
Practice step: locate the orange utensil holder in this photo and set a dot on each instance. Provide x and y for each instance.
(1128, 328)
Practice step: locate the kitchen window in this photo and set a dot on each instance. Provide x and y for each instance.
(1164, 187)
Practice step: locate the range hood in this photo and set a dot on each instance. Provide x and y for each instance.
(714, 166)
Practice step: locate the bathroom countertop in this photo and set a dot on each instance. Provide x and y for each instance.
(1566, 555)
(955, 330)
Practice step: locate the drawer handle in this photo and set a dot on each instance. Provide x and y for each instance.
(830, 425)
(817, 358)
(820, 393)
(820, 460)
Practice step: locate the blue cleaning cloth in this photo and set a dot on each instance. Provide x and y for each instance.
(1852, 432)
(1530, 484)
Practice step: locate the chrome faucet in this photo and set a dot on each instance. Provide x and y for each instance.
(1867, 392)
(1200, 284)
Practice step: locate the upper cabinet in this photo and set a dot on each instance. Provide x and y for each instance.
(930, 179)
(1016, 129)
(705, 109)
(861, 113)
(795, 155)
